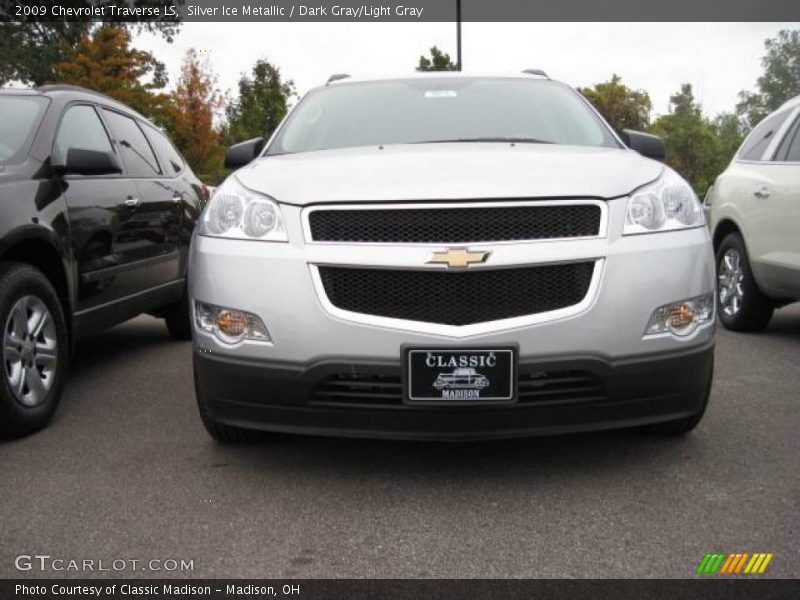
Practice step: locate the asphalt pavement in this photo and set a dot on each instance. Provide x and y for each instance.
(127, 472)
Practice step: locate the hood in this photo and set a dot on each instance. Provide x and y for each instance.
(456, 171)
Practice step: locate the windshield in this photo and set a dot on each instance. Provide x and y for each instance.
(428, 110)
(20, 117)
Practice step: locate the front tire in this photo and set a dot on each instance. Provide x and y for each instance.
(34, 349)
(740, 304)
(178, 318)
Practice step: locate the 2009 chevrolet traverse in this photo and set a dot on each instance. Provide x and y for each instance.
(97, 210)
(394, 230)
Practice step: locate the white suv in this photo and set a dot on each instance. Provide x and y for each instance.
(755, 218)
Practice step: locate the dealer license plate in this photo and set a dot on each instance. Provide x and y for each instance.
(448, 375)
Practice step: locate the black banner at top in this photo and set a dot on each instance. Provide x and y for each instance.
(399, 10)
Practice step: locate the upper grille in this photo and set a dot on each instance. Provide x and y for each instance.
(455, 225)
(457, 298)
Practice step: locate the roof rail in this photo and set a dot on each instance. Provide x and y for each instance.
(64, 87)
(536, 72)
(337, 77)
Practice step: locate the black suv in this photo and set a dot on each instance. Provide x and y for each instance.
(97, 210)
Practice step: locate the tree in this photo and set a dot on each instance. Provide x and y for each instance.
(780, 81)
(622, 107)
(196, 102)
(439, 61)
(693, 148)
(730, 133)
(105, 62)
(262, 103)
(30, 50)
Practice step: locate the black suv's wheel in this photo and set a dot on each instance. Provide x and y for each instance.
(224, 434)
(178, 319)
(34, 351)
(740, 304)
(687, 424)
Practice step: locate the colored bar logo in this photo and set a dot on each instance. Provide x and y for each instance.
(734, 564)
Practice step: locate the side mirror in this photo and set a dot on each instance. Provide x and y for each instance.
(243, 153)
(89, 162)
(646, 144)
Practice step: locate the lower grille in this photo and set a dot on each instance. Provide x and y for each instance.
(534, 388)
(352, 388)
(560, 386)
(457, 298)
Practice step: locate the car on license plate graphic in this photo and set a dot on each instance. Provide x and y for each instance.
(461, 379)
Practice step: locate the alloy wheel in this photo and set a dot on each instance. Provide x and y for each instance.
(30, 351)
(731, 282)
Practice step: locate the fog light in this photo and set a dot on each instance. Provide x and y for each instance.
(228, 324)
(682, 318)
(232, 322)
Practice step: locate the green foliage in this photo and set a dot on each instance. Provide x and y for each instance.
(780, 81)
(30, 50)
(693, 144)
(730, 131)
(105, 62)
(262, 103)
(438, 61)
(621, 106)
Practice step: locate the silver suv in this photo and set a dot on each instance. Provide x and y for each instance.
(394, 231)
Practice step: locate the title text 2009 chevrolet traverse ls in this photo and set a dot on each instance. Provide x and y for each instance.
(97, 210)
(396, 233)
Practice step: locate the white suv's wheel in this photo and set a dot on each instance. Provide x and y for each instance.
(740, 304)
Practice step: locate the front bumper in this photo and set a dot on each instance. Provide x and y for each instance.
(272, 385)
(286, 398)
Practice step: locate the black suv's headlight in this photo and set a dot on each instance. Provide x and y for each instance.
(236, 212)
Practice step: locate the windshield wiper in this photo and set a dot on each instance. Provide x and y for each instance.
(507, 140)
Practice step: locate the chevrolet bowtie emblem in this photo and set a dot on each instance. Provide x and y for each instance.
(458, 258)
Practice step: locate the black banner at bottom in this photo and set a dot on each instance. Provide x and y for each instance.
(390, 589)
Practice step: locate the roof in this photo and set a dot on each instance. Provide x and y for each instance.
(791, 103)
(82, 91)
(19, 92)
(341, 80)
(77, 92)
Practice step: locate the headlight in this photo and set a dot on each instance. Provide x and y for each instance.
(665, 205)
(238, 213)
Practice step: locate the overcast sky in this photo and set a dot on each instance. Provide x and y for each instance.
(718, 59)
